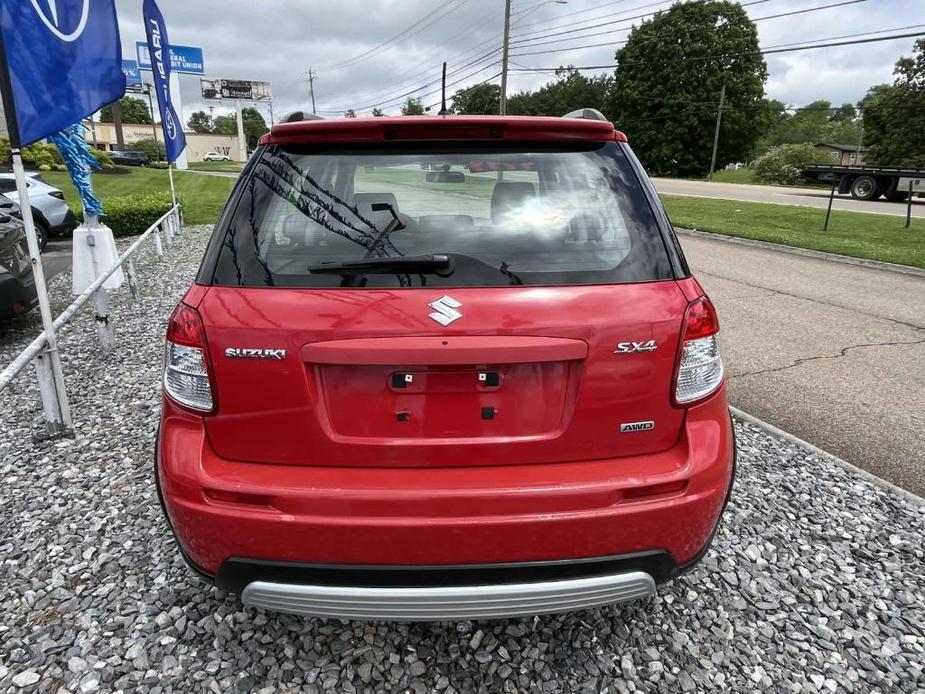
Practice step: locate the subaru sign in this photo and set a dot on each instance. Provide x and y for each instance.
(186, 59)
(64, 60)
(174, 139)
(133, 79)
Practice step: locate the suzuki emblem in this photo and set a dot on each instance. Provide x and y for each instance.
(445, 310)
(52, 22)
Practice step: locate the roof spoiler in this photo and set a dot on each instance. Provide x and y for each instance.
(586, 114)
(298, 116)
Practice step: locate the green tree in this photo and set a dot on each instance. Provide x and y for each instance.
(568, 92)
(782, 164)
(133, 111)
(225, 125)
(412, 107)
(254, 126)
(817, 122)
(350, 113)
(894, 115)
(154, 149)
(200, 122)
(666, 89)
(482, 99)
(378, 113)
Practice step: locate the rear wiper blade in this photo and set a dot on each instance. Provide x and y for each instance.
(440, 265)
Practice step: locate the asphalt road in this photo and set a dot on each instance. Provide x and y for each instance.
(56, 257)
(831, 352)
(780, 195)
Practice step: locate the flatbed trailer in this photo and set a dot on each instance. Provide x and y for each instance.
(895, 183)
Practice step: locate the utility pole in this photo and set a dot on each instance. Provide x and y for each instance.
(504, 54)
(719, 120)
(117, 123)
(211, 117)
(311, 85)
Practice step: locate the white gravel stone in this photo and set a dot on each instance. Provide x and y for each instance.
(813, 580)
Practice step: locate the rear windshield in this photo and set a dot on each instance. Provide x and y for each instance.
(525, 215)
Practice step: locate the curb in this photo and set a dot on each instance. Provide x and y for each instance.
(807, 253)
(825, 455)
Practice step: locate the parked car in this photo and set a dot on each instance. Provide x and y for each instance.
(502, 399)
(17, 285)
(52, 215)
(215, 156)
(130, 158)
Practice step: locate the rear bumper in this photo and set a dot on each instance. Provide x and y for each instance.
(67, 224)
(16, 297)
(318, 540)
(436, 603)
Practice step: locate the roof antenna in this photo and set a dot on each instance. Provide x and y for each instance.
(443, 111)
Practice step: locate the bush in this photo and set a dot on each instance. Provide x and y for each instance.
(131, 215)
(154, 150)
(39, 155)
(102, 158)
(781, 165)
(158, 165)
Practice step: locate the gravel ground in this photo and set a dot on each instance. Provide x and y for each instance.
(815, 583)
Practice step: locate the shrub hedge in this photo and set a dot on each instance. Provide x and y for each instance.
(131, 215)
(781, 165)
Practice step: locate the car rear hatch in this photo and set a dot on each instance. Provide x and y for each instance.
(369, 379)
(554, 339)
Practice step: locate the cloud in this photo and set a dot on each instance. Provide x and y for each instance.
(279, 40)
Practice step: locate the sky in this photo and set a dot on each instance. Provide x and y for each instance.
(341, 42)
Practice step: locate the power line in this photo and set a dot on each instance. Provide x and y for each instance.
(440, 12)
(724, 55)
(792, 43)
(414, 75)
(535, 41)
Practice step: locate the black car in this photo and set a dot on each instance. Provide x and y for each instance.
(130, 158)
(17, 284)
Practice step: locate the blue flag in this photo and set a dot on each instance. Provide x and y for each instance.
(64, 62)
(158, 48)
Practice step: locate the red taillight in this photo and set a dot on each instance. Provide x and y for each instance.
(700, 319)
(185, 327)
(700, 367)
(186, 368)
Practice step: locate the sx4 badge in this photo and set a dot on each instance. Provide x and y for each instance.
(631, 347)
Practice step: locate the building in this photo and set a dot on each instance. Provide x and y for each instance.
(103, 136)
(844, 154)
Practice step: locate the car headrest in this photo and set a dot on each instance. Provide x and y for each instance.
(509, 195)
(365, 201)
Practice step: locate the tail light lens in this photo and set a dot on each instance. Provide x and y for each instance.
(186, 370)
(700, 367)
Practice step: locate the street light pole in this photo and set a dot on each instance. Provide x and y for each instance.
(719, 120)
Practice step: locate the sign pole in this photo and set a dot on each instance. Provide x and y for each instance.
(242, 141)
(48, 364)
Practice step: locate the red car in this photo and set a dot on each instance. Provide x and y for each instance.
(491, 393)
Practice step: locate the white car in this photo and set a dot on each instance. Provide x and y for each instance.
(215, 156)
(53, 216)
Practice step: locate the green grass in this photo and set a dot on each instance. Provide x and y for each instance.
(475, 186)
(230, 166)
(203, 196)
(857, 234)
(743, 175)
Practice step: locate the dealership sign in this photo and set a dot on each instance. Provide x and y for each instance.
(133, 81)
(245, 90)
(186, 59)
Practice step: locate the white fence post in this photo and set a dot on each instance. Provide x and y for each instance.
(48, 363)
(158, 244)
(43, 352)
(132, 278)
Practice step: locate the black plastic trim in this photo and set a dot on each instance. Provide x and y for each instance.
(236, 573)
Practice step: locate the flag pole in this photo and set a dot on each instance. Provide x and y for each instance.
(47, 365)
(173, 191)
